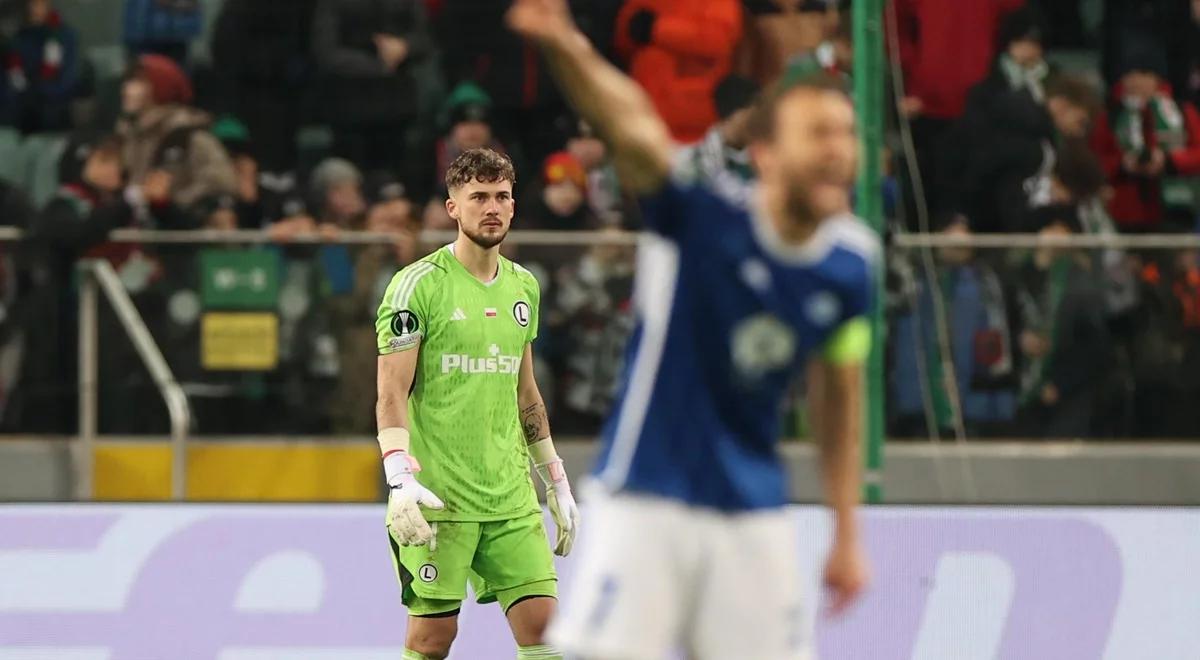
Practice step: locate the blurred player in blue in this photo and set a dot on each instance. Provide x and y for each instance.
(739, 289)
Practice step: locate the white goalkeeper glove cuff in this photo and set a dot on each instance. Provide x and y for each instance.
(405, 521)
(558, 494)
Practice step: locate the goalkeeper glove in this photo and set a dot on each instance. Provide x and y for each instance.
(558, 494)
(404, 520)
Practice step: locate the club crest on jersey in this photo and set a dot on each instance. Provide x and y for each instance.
(427, 572)
(521, 313)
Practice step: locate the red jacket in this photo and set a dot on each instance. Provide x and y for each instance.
(946, 46)
(1137, 202)
(690, 51)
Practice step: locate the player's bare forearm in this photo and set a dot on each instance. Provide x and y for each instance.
(835, 400)
(535, 424)
(606, 98)
(394, 378)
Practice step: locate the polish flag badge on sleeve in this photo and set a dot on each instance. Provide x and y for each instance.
(489, 312)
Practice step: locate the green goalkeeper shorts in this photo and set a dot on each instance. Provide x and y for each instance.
(505, 561)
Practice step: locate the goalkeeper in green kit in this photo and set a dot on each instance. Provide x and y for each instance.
(460, 417)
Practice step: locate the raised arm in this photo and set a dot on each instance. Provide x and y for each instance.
(602, 95)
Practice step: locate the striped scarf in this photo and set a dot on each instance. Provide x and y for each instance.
(1133, 133)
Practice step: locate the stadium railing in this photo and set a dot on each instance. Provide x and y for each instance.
(276, 339)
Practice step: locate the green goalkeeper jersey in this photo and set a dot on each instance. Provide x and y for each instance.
(462, 410)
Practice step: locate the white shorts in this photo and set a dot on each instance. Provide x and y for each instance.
(656, 575)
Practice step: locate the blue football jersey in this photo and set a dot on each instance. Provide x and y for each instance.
(727, 316)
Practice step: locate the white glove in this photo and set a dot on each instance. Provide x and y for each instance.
(558, 494)
(407, 496)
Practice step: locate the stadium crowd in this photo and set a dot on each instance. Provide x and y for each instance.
(322, 117)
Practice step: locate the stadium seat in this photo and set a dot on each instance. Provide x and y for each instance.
(42, 153)
(12, 165)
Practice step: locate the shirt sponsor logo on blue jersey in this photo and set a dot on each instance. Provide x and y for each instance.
(761, 344)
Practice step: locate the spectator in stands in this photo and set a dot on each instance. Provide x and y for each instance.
(366, 53)
(391, 212)
(524, 101)
(604, 194)
(261, 52)
(980, 348)
(560, 201)
(162, 27)
(336, 187)
(87, 207)
(587, 324)
(780, 30)
(162, 133)
(1164, 346)
(1149, 144)
(678, 50)
(724, 147)
(468, 112)
(946, 47)
(249, 203)
(1077, 186)
(1064, 341)
(41, 72)
(998, 163)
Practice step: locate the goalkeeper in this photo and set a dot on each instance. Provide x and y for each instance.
(459, 418)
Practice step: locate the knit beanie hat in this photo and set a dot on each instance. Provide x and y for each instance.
(562, 166)
(168, 83)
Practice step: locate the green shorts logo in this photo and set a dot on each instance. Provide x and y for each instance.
(427, 572)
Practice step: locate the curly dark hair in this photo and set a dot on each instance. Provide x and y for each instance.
(479, 165)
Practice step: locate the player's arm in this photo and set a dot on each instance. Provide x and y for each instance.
(835, 399)
(604, 96)
(536, 426)
(394, 380)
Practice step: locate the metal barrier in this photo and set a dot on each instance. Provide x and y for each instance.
(98, 274)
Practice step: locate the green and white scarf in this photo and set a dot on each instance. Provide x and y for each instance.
(1170, 134)
(1019, 77)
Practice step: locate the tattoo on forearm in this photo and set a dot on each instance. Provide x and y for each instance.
(534, 422)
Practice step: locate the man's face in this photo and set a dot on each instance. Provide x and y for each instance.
(1070, 119)
(484, 211)
(103, 171)
(345, 200)
(1140, 84)
(1025, 52)
(135, 96)
(563, 198)
(813, 154)
(471, 134)
(39, 11)
(391, 215)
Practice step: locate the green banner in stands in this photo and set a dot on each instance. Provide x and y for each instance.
(239, 279)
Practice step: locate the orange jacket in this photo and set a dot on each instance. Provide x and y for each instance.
(690, 51)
